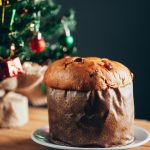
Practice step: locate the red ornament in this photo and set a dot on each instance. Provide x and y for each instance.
(38, 44)
(11, 68)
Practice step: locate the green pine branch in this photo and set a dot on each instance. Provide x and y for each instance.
(51, 28)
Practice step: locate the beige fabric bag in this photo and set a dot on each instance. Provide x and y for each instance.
(29, 83)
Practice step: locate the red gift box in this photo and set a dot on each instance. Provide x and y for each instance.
(14, 67)
(11, 68)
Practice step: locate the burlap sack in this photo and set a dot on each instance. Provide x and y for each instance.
(29, 83)
(13, 110)
(9, 84)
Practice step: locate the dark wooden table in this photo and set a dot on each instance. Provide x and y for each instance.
(20, 138)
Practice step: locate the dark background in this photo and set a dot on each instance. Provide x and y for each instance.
(119, 30)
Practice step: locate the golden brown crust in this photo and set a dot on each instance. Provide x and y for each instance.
(90, 73)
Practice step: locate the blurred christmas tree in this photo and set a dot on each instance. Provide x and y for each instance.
(33, 30)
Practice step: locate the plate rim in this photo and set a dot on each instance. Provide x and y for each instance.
(51, 145)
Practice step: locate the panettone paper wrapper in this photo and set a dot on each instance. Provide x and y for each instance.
(104, 118)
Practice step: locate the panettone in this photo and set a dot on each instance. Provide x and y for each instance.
(90, 102)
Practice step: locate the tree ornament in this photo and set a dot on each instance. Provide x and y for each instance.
(67, 39)
(3, 3)
(32, 27)
(12, 47)
(70, 40)
(37, 44)
(12, 18)
(3, 13)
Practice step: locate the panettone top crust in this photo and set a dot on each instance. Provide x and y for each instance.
(83, 74)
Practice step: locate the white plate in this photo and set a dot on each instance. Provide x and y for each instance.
(40, 136)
